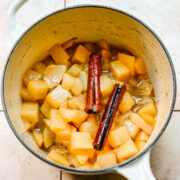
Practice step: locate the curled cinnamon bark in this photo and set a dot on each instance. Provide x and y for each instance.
(93, 103)
(108, 116)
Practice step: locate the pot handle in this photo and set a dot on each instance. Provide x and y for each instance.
(15, 29)
(140, 169)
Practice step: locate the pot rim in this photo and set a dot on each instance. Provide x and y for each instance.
(111, 168)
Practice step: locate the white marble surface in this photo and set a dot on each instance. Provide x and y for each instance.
(164, 18)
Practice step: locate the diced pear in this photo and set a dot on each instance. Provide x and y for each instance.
(119, 70)
(80, 141)
(128, 60)
(127, 103)
(37, 89)
(148, 118)
(53, 74)
(142, 136)
(69, 43)
(127, 150)
(39, 67)
(48, 138)
(81, 55)
(45, 108)
(84, 79)
(82, 159)
(90, 127)
(118, 136)
(62, 149)
(124, 116)
(140, 66)
(57, 96)
(25, 96)
(75, 70)
(38, 137)
(58, 141)
(82, 116)
(106, 159)
(59, 55)
(66, 143)
(85, 67)
(57, 123)
(145, 88)
(30, 112)
(65, 134)
(136, 119)
(132, 128)
(148, 108)
(72, 160)
(77, 88)
(81, 101)
(86, 166)
(30, 75)
(56, 156)
(145, 99)
(77, 102)
(28, 125)
(68, 81)
(103, 44)
(75, 116)
(64, 105)
(68, 115)
(106, 85)
(47, 122)
(72, 103)
(140, 144)
(96, 166)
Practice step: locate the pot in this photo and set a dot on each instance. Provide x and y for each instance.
(89, 23)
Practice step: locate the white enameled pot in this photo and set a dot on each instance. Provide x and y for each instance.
(89, 23)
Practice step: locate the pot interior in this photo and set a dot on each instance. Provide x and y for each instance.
(88, 24)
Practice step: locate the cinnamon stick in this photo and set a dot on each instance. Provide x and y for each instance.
(97, 74)
(90, 88)
(93, 103)
(108, 116)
